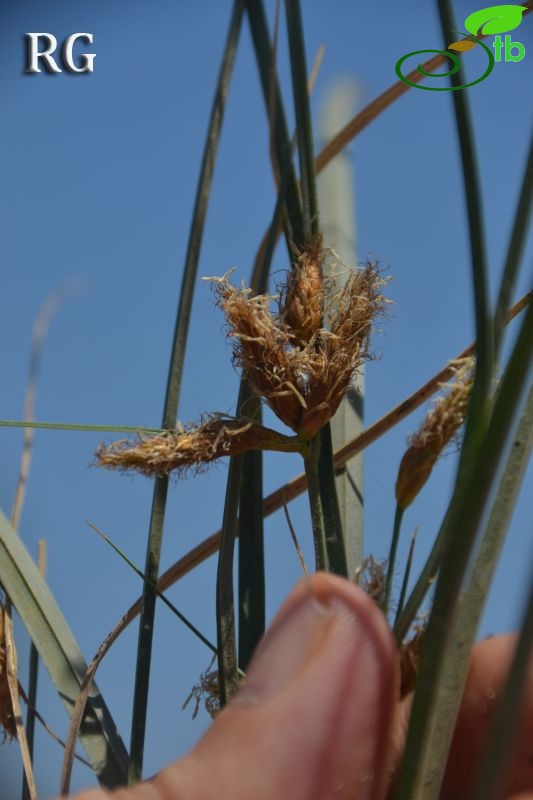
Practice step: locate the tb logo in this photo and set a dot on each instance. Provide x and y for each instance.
(49, 44)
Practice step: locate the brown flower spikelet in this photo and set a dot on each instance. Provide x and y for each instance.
(441, 426)
(216, 437)
(302, 381)
(302, 303)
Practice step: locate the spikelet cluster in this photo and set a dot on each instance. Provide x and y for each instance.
(301, 369)
(290, 359)
(440, 427)
(191, 448)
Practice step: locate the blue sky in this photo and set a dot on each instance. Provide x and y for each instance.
(98, 180)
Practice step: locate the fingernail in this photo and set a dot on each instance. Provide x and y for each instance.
(325, 676)
(295, 636)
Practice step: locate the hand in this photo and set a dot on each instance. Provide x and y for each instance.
(318, 715)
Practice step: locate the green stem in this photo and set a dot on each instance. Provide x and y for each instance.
(251, 523)
(228, 668)
(335, 544)
(283, 151)
(522, 220)
(422, 586)
(392, 557)
(478, 414)
(315, 504)
(405, 581)
(155, 534)
(329, 504)
(251, 540)
(303, 118)
(30, 718)
(146, 629)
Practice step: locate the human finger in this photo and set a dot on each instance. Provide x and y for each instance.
(313, 719)
(314, 716)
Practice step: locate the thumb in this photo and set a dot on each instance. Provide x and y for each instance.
(313, 717)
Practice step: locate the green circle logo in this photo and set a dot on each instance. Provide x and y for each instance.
(456, 66)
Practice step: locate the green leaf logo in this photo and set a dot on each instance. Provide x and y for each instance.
(495, 19)
(462, 46)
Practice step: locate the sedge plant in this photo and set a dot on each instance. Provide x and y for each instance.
(296, 351)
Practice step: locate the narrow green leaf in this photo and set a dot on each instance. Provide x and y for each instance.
(431, 567)
(269, 83)
(398, 515)
(406, 575)
(478, 417)
(251, 521)
(30, 714)
(473, 602)
(61, 655)
(472, 599)
(33, 673)
(155, 534)
(502, 738)
(460, 528)
(425, 580)
(188, 624)
(70, 426)
(522, 221)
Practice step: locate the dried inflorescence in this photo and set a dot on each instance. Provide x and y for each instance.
(440, 427)
(370, 576)
(190, 448)
(301, 369)
(207, 690)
